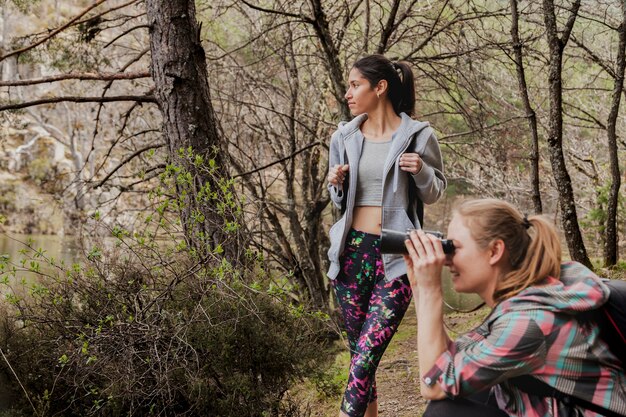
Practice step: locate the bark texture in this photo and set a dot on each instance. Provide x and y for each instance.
(189, 123)
(530, 112)
(611, 242)
(556, 44)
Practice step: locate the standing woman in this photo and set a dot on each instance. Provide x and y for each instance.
(379, 162)
(514, 264)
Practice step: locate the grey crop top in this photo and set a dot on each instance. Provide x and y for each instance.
(369, 186)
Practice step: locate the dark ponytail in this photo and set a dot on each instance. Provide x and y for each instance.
(399, 77)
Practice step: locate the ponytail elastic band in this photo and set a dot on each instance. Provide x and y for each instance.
(397, 68)
(525, 222)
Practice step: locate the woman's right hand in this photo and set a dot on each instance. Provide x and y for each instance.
(425, 260)
(337, 174)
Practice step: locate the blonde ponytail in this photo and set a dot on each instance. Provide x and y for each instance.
(542, 259)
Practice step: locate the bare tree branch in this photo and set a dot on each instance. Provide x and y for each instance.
(127, 160)
(54, 32)
(126, 32)
(390, 26)
(97, 76)
(299, 151)
(570, 23)
(17, 106)
(594, 57)
(112, 9)
(278, 12)
(591, 118)
(443, 139)
(433, 33)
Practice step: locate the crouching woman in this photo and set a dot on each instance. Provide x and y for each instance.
(514, 264)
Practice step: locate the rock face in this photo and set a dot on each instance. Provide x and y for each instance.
(26, 209)
(41, 192)
(33, 173)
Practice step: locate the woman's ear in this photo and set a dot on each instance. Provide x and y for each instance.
(497, 251)
(381, 87)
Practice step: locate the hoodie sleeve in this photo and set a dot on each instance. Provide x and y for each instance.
(336, 157)
(430, 181)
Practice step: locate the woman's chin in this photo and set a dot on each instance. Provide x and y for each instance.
(457, 286)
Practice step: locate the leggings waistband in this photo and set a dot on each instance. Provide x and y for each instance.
(362, 240)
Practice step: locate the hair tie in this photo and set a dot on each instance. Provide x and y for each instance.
(397, 68)
(525, 222)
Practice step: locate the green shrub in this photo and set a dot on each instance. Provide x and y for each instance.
(158, 322)
(119, 333)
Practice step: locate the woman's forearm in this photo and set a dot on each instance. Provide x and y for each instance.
(432, 339)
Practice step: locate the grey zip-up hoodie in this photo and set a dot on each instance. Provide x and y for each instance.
(429, 182)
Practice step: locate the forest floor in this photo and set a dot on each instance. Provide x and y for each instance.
(397, 376)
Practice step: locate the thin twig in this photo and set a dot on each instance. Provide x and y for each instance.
(279, 160)
(53, 33)
(18, 381)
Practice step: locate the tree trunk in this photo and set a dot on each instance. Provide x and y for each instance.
(563, 181)
(389, 28)
(322, 29)
(530, 112)
(189, 124)
(610, 246)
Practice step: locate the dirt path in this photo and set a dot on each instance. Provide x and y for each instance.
(398, 373)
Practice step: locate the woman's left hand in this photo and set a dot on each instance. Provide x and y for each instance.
(425, 260)
(411, 162)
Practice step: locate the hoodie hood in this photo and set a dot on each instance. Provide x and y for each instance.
(577, 290)
(408, 126)
(346, 127)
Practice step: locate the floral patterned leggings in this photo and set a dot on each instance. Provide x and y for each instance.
(372, 309)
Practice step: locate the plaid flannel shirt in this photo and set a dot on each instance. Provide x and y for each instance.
(535, 333)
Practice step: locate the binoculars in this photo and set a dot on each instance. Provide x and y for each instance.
(392, 241)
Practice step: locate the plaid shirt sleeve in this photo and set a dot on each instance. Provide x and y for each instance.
(511, 345)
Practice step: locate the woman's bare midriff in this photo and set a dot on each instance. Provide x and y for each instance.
(367, 219)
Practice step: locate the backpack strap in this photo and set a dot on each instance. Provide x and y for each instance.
(346, 183)
(613, 322)
(416, 205)
(538, 388)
